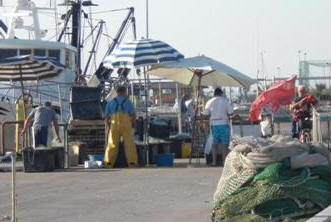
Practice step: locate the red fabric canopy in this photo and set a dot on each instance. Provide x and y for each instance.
(280, 93)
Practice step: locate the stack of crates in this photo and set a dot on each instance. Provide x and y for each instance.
(91, 133)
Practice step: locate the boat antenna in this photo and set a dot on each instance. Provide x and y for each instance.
(147, 24)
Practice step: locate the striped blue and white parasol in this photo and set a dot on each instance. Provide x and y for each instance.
(28, 68)
(140, 53)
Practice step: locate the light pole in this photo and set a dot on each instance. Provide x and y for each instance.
(147, 31)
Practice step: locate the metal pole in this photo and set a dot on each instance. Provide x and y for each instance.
(328, 133)
(66, 148)
(76, 12)
(179, 110)
(37, 32)
(146, 134)
(13, 170)
(147, 31)
(132, 95)
(13, 94)
(91, 22)
(38, 94)
(196, 121)
(160, 93)
(60, 102)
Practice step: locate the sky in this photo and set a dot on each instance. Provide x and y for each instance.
(235, 32)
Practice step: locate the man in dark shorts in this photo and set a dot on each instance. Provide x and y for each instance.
(42, 117)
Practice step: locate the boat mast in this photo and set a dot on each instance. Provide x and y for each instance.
(75, 14)
(76, 11)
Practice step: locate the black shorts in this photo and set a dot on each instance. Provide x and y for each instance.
(305, 124)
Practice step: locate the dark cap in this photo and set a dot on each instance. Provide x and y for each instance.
(121, 89)
(218, 92)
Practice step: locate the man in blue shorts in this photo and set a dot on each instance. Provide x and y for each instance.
(219, 109)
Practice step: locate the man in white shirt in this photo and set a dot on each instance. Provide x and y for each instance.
(219, 109)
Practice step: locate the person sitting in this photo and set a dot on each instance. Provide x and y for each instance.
(302, 111)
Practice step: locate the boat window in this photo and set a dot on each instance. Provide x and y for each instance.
(166, 91)
(6, 53)
(39, 52)
(54, 54)
(70, 59)
(25, 51)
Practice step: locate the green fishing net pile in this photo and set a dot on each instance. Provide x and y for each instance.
(277, 192)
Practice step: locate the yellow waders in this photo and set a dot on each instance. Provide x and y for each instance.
(120, 125)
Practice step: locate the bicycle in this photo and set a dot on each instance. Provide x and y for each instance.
(305, 130)
(305, 124)
(305, 136)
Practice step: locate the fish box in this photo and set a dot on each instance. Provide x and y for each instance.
(38, 160)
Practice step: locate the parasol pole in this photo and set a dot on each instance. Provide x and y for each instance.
(160, 94)
(199, 74)
(146, 136)
(132, 94)
(195, 127)
(179, 109)
(21, 75)
(60, 102)
(38, 94)
(23, 97)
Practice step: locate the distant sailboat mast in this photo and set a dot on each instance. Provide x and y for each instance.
(263, 71)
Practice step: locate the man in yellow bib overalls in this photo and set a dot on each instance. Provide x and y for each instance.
(120, 117)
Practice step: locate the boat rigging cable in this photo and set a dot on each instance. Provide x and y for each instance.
(121, 31)
(74, 13)
(96, 43)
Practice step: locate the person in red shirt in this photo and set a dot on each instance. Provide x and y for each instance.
(302, 111)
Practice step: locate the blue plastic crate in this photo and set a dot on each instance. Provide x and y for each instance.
(96, 157)
(164, 160)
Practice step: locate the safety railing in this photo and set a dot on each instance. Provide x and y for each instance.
(282, 126)
(28, 142)
(316, 130)
(3, 130)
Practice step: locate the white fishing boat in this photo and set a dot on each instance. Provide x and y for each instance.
(18, 39)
